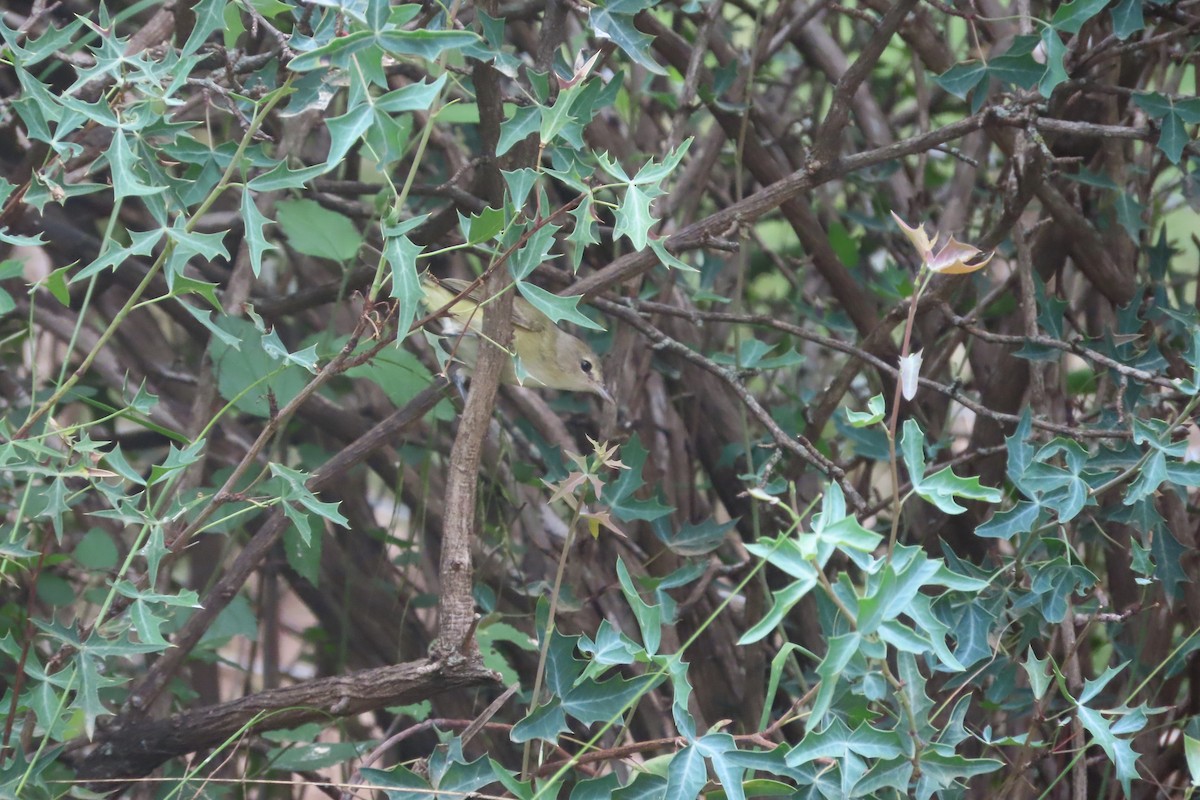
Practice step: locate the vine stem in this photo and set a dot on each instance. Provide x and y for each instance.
(894, 419)
(545, 649)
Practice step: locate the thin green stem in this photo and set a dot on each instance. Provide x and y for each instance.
(548, 632)
(894, 419)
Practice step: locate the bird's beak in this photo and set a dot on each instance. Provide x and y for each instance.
(600, 390)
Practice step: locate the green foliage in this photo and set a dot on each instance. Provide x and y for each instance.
(210, 277)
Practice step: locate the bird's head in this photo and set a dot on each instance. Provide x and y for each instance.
(579, 368)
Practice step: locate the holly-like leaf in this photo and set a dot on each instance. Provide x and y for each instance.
(613, 20)
(620, 494)
(556, 307)
(254, 222)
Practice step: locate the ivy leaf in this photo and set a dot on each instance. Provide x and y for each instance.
(602, 788)
(633, 217)
(1127, 18)
(606, 701)
(254, 222)
(1006, 524)
(1017, 65)
(1053, 582)
(619, 495)
(345, 130)
(668, 259)
(912, 447)
(296, 490)
(613, 20)
(1171, 116)
(970, 629)
(782, 602)
(414, 97)
(274, 347)
(1173, 137)
(1119, 751)
(842, 648)
(401, 254)
(693, 540)
(559, 116)
(1154, 104)
(686, 774)
(610, 648)
(209, 16)
(481, 227)
(563, 670)
(654, 173)
(524, 122)
(396, 780)
(1070, 17)
(585, 231)
(1129, 210)
(535, 252)
(187, 244)
(940, 771)
(282, 177)
(556, 307)
(649, 617)
(1055, 51)
(837, 740)
(177, 459)
(717, 748)
(335, 53)
(425, 44)
(520, 182)
(124, 164)
(872, 416)
(463, 778)
(942, 487)
(1168, 556)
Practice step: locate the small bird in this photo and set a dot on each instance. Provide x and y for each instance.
(550, 357)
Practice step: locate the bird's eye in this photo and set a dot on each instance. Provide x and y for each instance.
(586, 366)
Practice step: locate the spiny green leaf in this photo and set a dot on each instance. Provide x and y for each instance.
(254, 223)
(425, 44)
(556, 307)
(345, 130)
(613, 20)
(649, 617)
(633, 217)
(593, 702)
(414, 97)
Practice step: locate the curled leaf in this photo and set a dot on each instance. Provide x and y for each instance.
(954, 258)
(910, 374)
(920, 240)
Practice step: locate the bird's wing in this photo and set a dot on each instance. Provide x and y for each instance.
(524, 315)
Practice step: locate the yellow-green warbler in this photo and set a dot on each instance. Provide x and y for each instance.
(550, 357)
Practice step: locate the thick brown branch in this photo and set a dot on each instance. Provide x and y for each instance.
(129, 749)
